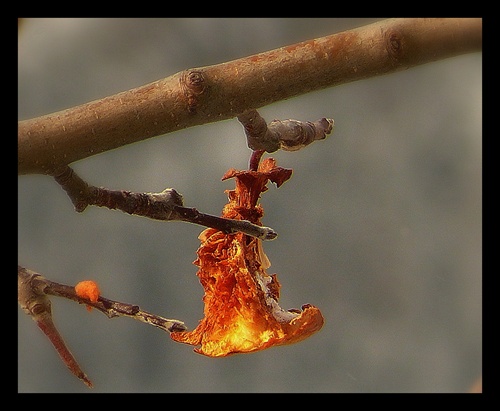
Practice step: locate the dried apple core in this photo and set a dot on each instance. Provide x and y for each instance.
(242, 313)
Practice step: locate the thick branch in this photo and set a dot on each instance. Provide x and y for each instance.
(208, 94)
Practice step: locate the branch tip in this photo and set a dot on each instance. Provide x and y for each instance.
(288, 135)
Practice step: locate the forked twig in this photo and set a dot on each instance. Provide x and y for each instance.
(33, 292)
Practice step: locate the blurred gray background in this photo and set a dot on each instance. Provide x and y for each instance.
(379, 226)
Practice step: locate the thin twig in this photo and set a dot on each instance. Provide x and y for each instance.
(165, 206)
(253, 164)
(213, 93)
(226, 225)
(33, 292)
(110, 307)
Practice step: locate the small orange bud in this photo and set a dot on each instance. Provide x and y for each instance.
(89, 290)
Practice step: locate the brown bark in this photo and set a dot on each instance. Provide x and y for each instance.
(213, 93)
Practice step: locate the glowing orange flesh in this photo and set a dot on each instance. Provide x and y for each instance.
(241, 300)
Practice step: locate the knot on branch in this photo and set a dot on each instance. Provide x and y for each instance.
(78, 190)
(160, 205)
(193, 84)
(394, 44)
(258, 135)
(31, 296)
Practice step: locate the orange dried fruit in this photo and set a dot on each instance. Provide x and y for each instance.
(241, 311)
(89, 290)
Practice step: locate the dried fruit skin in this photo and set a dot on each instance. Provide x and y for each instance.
(242, 313)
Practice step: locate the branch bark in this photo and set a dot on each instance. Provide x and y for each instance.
(213, 93)
(165, 206)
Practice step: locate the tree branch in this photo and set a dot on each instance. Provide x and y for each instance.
(289, 135)
(33, 292)
(165, 206)
(213, 93)
(34, 301)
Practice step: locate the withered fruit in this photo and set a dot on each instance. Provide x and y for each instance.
(242, 313)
